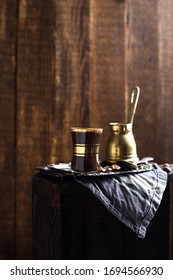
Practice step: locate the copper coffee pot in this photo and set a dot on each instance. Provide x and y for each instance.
(121, 144)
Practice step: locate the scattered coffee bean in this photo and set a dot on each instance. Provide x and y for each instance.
(115, 167)
(166, 167)
(127, 165)
(155, 165)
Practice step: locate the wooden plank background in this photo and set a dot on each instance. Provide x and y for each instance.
(73, 63)
(7, 127)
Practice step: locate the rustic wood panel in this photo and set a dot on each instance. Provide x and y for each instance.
(7, 127)
(165, 116)
(107, 66)
(52, 86)
(149, 64)
(72, 73)
(165, 74)
(35, 97)
(142, 70)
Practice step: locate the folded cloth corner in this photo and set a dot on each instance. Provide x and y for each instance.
(132, 198)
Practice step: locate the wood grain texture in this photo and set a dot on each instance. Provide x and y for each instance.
(7, 127)
(72, 73)
(165, 74)
(48, 208)
(142, 70)
(52, 87)
(107, 66)
(35, 96)
(149, 65)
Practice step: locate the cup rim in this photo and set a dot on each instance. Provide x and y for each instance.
(86, 129)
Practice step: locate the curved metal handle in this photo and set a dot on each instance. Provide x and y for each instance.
(133, 103)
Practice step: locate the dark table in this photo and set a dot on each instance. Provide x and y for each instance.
(69, 222)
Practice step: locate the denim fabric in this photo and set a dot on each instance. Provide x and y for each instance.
(132, 198)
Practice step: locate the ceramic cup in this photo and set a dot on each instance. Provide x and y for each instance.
(86, 143)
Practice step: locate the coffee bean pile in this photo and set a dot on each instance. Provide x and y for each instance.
(122, 165)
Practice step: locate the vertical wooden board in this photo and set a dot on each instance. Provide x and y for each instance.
(107, 68)
(7, 126)
(72, 72)
(142, 70)
(165, 99)
(165, 113)
(35, 95)
(52, 93)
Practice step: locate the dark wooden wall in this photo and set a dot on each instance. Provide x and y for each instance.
(72, 63)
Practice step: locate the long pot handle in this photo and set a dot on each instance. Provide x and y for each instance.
(133, 103)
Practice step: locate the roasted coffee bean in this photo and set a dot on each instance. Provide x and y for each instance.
(166, 167)
(102, 169)
(155, 165)
(115, 167)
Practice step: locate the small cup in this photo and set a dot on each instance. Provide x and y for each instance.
(86, 143)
